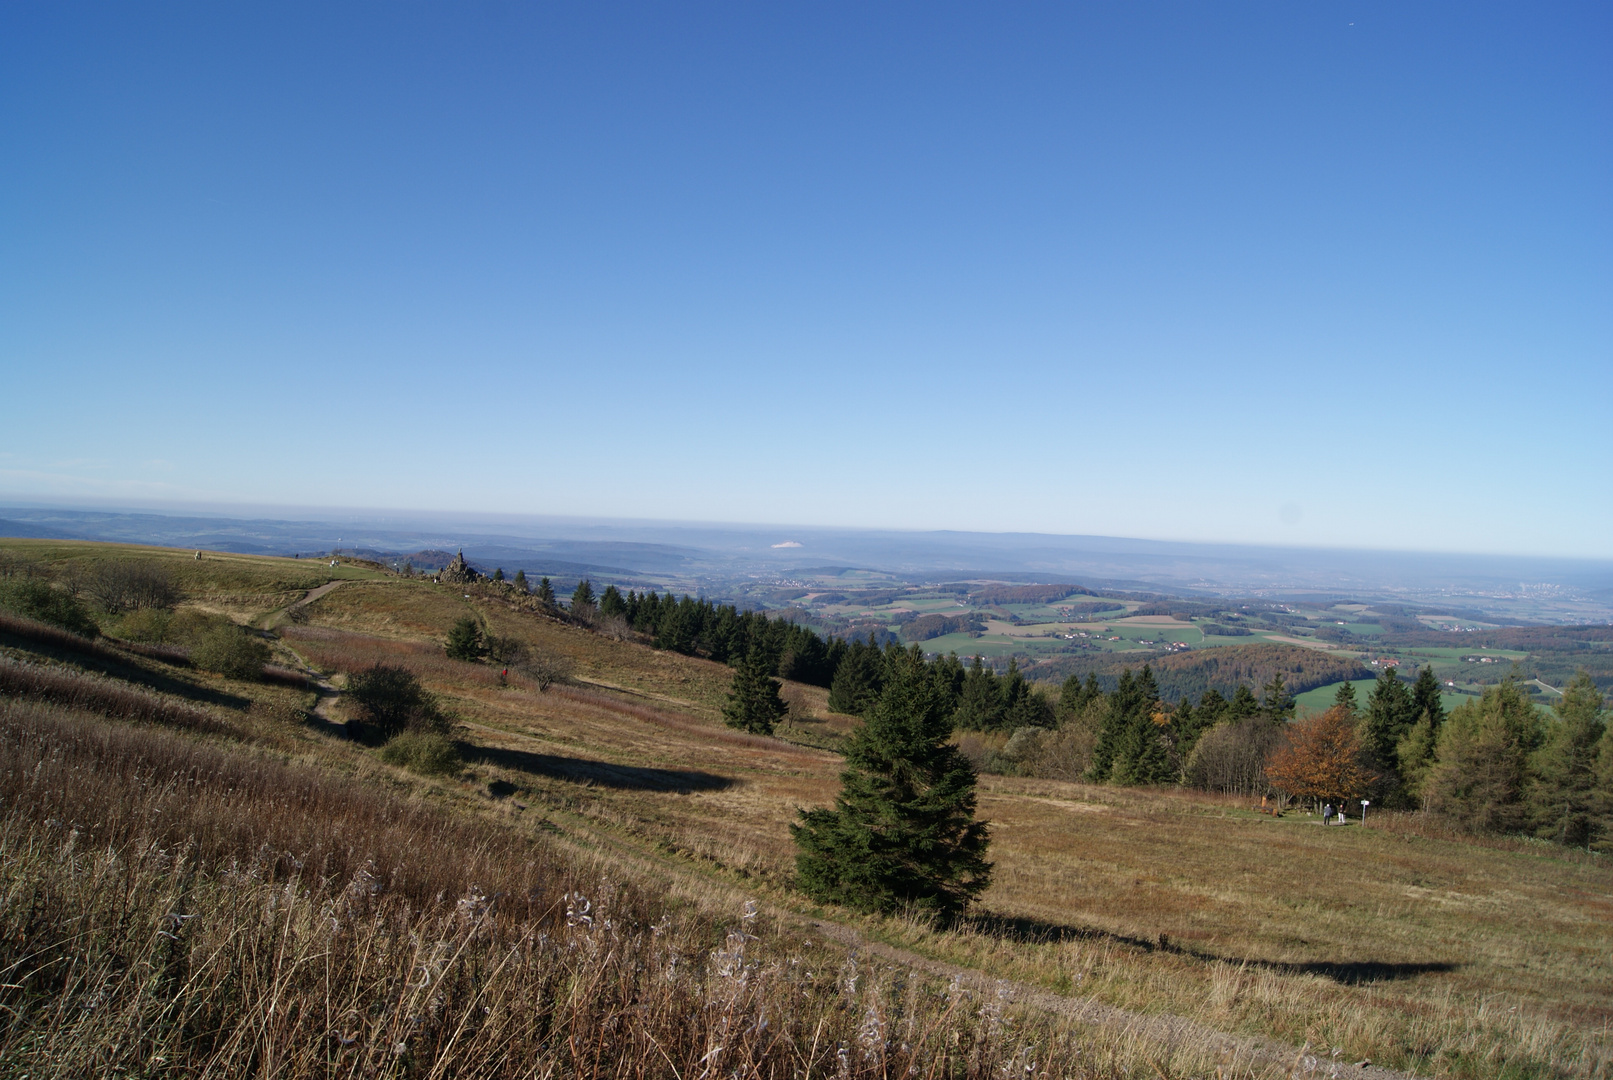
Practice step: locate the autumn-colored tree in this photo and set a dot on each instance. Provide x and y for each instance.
(1321, 760)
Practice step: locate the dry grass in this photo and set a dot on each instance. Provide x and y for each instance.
(1396, 942)
(176, 909)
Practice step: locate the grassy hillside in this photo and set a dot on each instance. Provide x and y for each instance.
(574, 899)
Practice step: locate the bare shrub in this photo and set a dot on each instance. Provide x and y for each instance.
(544, 668)
(120, 585)
(615, 627)
(505, 651)
(1231, 758)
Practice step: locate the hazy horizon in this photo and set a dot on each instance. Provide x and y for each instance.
(1304, 276)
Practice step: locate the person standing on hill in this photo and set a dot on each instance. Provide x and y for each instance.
(1327, 814)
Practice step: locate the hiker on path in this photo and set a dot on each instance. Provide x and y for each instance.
(1327, 814)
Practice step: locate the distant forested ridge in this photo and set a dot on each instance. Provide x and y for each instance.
(926, 627)
(1028, 594)
(1185, 676)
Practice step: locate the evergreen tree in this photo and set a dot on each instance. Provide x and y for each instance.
(1123, 706)
(1425, 697)
(1344, 698)
(520, 581)
(1564, 798)
(754, 704)
(1022, 706)
(857, 681)
(465, 640)
(903, 830)
(1389, 718)
(1187, 725)
(498, 574)
(1482, 761)
(1276, 703)
(611, 603)
(1143, 756)
(582, 598)
(980, 702)
(1243, 704)
(1212, 709)
(545, 593)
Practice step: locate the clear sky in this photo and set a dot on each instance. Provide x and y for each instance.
(1299, 273)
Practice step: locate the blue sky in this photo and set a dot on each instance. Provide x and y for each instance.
(1323, 274)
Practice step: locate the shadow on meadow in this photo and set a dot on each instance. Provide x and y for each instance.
(597, 773)
(1344, 972)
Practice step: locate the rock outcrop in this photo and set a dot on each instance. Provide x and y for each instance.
(458, 572)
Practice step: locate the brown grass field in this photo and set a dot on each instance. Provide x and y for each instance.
(1422, 951)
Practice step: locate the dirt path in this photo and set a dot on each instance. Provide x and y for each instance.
(327, 693)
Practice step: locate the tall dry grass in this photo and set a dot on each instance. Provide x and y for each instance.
(170, 907)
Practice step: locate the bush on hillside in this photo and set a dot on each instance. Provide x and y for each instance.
(34, 598)
(151, 626)
(390, 700)
(120, 585)
(230, 650)
(428, 753)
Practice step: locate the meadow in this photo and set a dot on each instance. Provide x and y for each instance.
(1398, 942)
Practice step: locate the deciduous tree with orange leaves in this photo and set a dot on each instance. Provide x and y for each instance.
(1322, 759)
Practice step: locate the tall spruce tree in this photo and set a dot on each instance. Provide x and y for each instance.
(753, 703)
(1389, 719)
(1144, 750)
(856, 683)
(1564, 801)
(1276, 703)
(582, 598)
(1123, 706)
(1344, 697)
(980, 701)
(903, 831)
(545, 593)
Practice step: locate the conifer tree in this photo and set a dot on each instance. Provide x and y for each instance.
(498, 574)
(1212, 709)
(1425, 698)
(980, 702)
(465, 640)
(1276, 703)
(903, 830)
(520, 581)
(1564, 798)
(1243, 704)
(754, 704)
(545, 593)
(1123, 705)
(1389, 718)
(856, 683)
(1482, 761)
(611, 602)
(582, 598)
(1344, 698)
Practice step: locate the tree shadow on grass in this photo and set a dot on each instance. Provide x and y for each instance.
(597, 773)
(1343, 972)
(102, 660)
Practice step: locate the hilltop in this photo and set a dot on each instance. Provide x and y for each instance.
(603, 880)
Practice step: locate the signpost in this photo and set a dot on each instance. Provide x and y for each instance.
(1364, 804)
